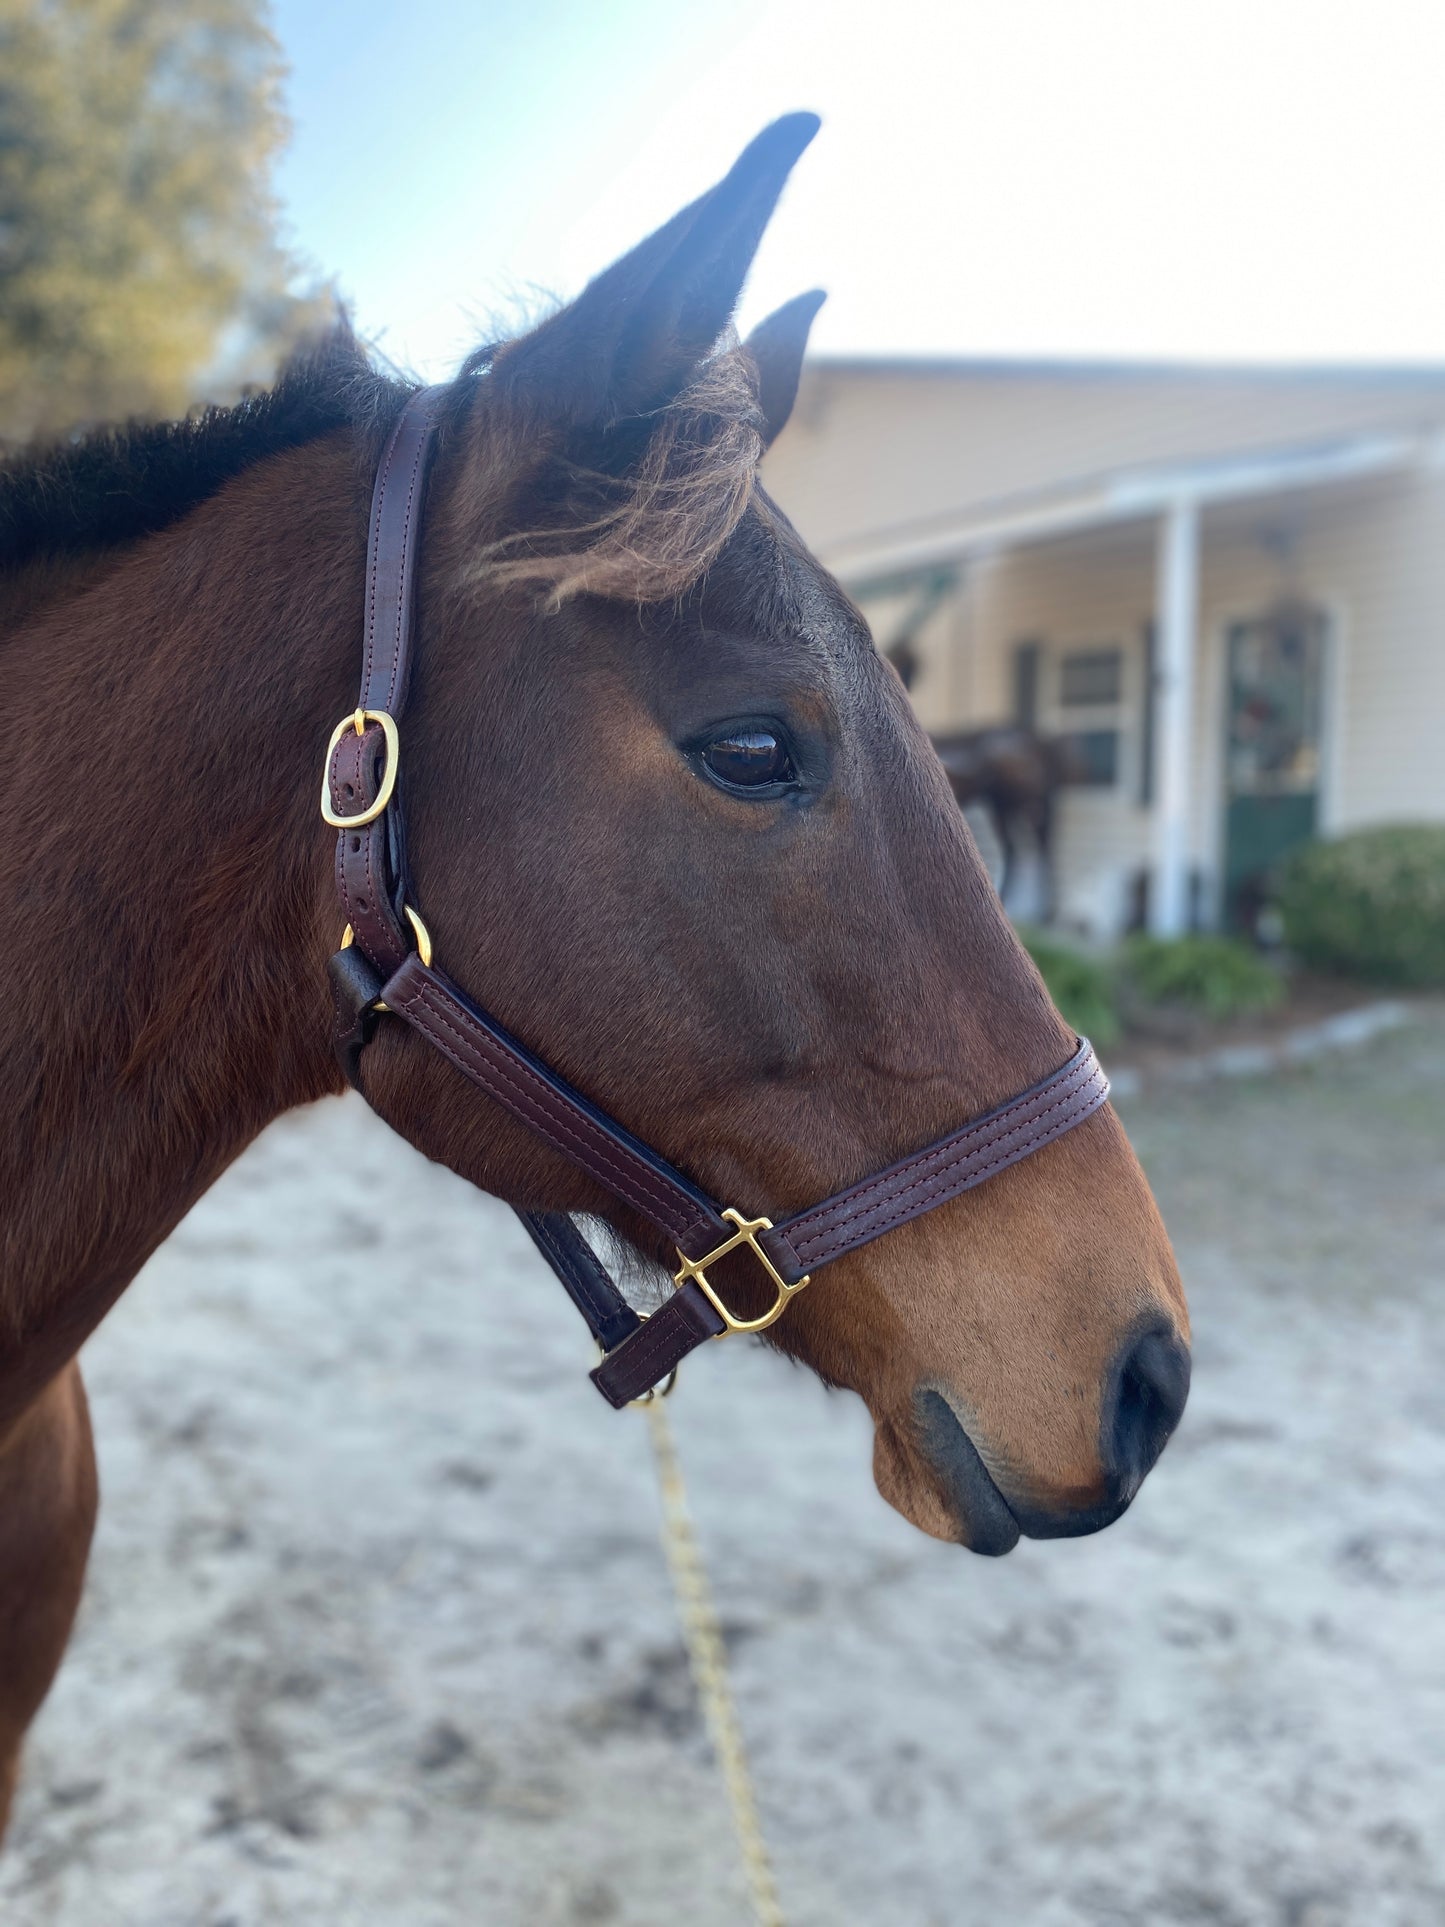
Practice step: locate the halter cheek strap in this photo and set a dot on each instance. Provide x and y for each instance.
(384, 967)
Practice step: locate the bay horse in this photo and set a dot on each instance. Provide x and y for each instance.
(672, 816)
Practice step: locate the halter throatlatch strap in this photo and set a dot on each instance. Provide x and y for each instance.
(384, 967)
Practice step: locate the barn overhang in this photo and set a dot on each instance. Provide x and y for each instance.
(1173, 498)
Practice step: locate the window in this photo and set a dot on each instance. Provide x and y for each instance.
(1096, 757)
(1091, 676)
(1089, 709)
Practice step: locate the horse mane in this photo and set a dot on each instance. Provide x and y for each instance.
(117, 484)
(641, 516)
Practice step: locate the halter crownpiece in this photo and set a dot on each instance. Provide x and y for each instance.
(384, 967)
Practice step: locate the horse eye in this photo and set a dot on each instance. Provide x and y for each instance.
(749, 759)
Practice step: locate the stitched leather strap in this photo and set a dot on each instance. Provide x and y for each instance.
(648, 1356)
(548, 1105)
(371, 858)
(943, 1170)
(367, 881)
(392, 551)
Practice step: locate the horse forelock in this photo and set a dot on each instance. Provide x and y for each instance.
(640, 511)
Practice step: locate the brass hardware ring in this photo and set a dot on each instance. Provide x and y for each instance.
(423, 943)
(664, 1390)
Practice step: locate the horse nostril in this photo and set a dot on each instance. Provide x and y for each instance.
(1153, 1385)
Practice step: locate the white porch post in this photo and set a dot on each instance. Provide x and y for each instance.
(1176, 602)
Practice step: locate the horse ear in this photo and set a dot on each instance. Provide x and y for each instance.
(634, 337)
(776, 348)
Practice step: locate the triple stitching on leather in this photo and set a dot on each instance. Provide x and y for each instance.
(946, 1155)
(1079, 1065)
(1086, 1097)
(976, 1176)
(942, 1176)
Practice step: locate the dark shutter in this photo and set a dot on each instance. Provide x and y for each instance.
(1026, 684)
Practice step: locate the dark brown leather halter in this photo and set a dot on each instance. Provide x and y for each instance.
(384, 967)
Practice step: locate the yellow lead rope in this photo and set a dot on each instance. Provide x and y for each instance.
(709, 1665)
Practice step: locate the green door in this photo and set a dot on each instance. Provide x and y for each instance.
(1272, 750)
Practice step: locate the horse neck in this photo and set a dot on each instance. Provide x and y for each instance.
(166, 880)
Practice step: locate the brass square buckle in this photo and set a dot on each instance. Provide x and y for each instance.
(358, 720)
(746, 1234)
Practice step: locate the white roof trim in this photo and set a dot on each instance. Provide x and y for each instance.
(1130, 495)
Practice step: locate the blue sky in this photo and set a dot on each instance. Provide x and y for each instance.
(1180, 178)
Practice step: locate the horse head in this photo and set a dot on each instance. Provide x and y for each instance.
(677, 826)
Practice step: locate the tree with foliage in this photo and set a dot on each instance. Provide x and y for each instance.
(139, 265)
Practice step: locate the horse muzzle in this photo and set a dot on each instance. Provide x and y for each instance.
(1143, 1403)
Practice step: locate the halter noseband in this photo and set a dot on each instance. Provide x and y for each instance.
(385, 966)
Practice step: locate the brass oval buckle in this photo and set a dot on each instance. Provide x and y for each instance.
(357, 720)
(746, 1234)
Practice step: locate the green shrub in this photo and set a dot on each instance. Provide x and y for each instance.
(1081, 986)
(1216, 976)
(1371, 904)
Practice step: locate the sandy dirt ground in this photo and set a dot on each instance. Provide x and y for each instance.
(360, 1647)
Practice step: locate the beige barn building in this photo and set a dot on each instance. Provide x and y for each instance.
(1226, 585)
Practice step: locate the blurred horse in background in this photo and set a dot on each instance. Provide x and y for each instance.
(1013, 772)
(1016, 774)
